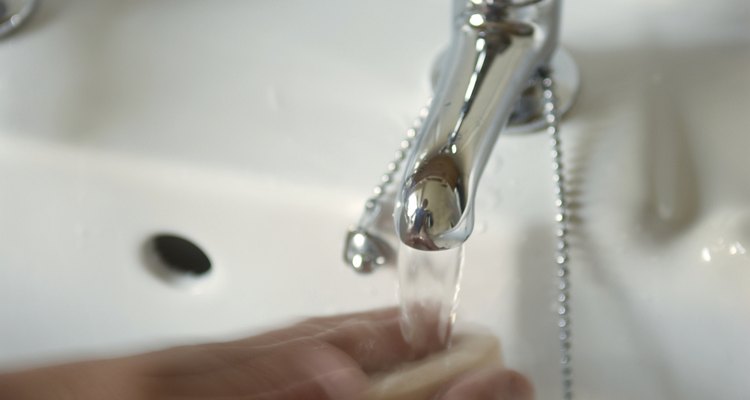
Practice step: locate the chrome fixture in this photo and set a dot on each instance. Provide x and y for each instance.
(497, 75)
(490, 78)
(13, 14)
(364, 249)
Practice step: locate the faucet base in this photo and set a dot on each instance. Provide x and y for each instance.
(528, 116)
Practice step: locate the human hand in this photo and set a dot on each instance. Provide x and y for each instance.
(320, 358)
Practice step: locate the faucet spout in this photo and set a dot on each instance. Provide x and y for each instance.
(497, 48)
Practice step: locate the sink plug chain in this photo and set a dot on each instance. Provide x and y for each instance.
(553, 129)
(398, 159)
(363, 249)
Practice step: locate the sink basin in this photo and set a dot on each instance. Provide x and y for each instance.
(256, 129)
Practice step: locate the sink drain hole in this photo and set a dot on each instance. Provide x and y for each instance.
(180, 255)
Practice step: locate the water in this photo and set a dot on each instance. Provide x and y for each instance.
(429, 283)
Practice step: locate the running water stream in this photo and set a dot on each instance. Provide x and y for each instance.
(429, 283)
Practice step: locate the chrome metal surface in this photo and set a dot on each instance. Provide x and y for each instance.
(497, 72)
(13, 17)
(495, 52)
(436, 187)
(364, 251)
(365, 247)
(529, 114)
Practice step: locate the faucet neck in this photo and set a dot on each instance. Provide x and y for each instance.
(497, 47)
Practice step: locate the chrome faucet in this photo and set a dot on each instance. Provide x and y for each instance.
(497, 48)
(13, 14)
(487, 81)
(496, 75)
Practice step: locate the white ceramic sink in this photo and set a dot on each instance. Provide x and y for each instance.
(257, 129)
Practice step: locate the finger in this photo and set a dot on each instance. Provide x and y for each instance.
(495, 383)
(302, 369)
(373, 339)
(377, 343)
(313, 327)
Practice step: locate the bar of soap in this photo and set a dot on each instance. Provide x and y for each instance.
(421, 379)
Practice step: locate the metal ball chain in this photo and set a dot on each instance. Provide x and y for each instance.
(562, 257)
(393, 167)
